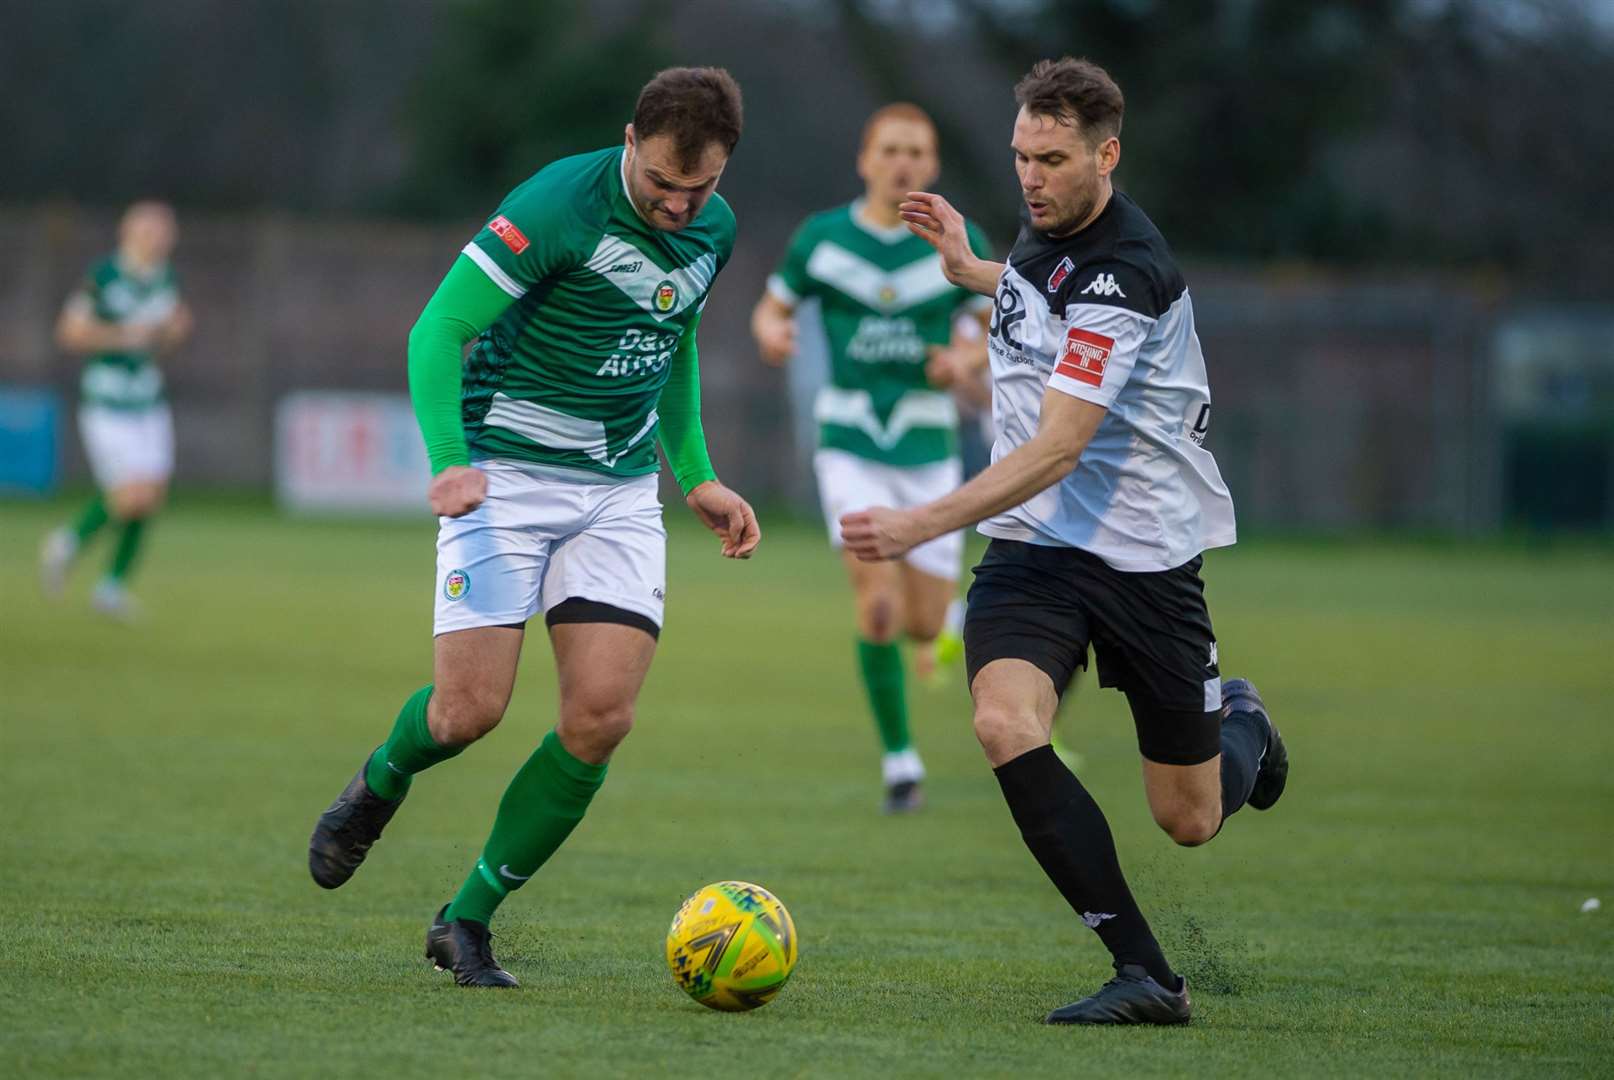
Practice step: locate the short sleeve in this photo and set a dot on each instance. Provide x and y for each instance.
(1104, 332)
(536, 234)
(789, 282)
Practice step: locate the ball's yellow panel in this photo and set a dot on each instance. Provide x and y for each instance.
(732, 945)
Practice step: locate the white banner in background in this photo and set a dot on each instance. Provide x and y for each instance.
(342, 452)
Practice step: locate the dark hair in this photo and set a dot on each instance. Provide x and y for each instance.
(695, 106)
(1072, 91)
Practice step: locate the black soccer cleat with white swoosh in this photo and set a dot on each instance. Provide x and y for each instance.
(344, 832)
(465, 948)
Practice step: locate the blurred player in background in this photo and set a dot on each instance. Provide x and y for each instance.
(887, 422)
(583, 294)
(126, 313)
(1100, 501)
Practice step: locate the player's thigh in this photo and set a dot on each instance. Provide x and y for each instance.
(926, 598)
(1021, 608)
(916, 486)
(847, 483)
(616, 558)
(1186, 800)
(491, 562)
(473, 675)
(601, 667)
(1015, 702)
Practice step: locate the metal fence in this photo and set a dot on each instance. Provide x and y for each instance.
(1340, 402)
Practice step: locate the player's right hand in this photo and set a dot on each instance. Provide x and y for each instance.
(776, 339)
(457, 490)
(933, 219)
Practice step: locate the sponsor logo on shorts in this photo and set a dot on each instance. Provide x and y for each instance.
(456, 585)
(505, 230)
(1082, 356)
(666, 296)
(658, 593)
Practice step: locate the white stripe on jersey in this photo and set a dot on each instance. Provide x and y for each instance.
(1145, 495)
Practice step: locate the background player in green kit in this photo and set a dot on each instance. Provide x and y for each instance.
(887, 421)
(125, 313)
(583, 294)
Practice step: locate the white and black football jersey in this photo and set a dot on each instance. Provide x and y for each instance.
(1105, 315)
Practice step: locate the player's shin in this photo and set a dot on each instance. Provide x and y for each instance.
(1244, 736)
(1067, 833)
(543, 804)
(880, 664)
(408, 750)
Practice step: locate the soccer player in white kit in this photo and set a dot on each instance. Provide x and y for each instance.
(126, 312)
(1100, 500)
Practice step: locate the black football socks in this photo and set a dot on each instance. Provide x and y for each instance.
(1067, 833)
(1244, 739)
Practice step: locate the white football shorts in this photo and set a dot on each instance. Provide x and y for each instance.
(127, 446)
(544, 536)
(847, 482)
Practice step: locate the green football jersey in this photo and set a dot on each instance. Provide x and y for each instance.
(113, 294)
(571, 373)
(884, 301)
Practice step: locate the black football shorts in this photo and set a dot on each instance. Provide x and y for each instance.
(1150, 631)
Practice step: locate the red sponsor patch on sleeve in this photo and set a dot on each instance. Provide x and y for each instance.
(506, 230)
(1083, 355)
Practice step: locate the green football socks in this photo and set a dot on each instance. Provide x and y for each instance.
(408, 750)
(123, 556)
(540, 808)
(90, 521)
(884, 680)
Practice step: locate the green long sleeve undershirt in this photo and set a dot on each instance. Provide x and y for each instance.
(467, 303)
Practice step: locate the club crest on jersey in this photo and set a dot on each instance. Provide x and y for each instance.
(666, 297)
(1083, 355)
(456, 584)
(505, 230)
(1104, 285)
(1061, 272)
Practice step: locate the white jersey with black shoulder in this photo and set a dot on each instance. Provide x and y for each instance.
(1104, 315)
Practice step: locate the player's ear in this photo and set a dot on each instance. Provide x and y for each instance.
(1109, 155)
(627, 137)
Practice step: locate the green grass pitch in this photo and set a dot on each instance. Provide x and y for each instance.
(1411, 908)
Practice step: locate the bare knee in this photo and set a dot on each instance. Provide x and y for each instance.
(879, 615)
(1189, 826)
(459, 716)
(591, 731)
(1006, 732)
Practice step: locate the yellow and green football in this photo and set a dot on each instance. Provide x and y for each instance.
(732, 946)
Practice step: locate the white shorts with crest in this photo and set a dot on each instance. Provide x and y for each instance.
(545, 535)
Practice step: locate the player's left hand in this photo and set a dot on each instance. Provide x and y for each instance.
(880, 533)
(729, 516)
(948, 365)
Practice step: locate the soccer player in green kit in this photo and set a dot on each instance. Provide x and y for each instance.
(887, 420)
(583, 294)
(126, 313)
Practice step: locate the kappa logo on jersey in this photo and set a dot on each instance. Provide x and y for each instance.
(1061, 272)
(666, 296)
(505, 230)
(456, 585)
(1083, 356)
(1104, 285)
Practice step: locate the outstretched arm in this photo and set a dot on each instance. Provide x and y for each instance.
(465, 304)
(933, 218)
(1063, 431)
